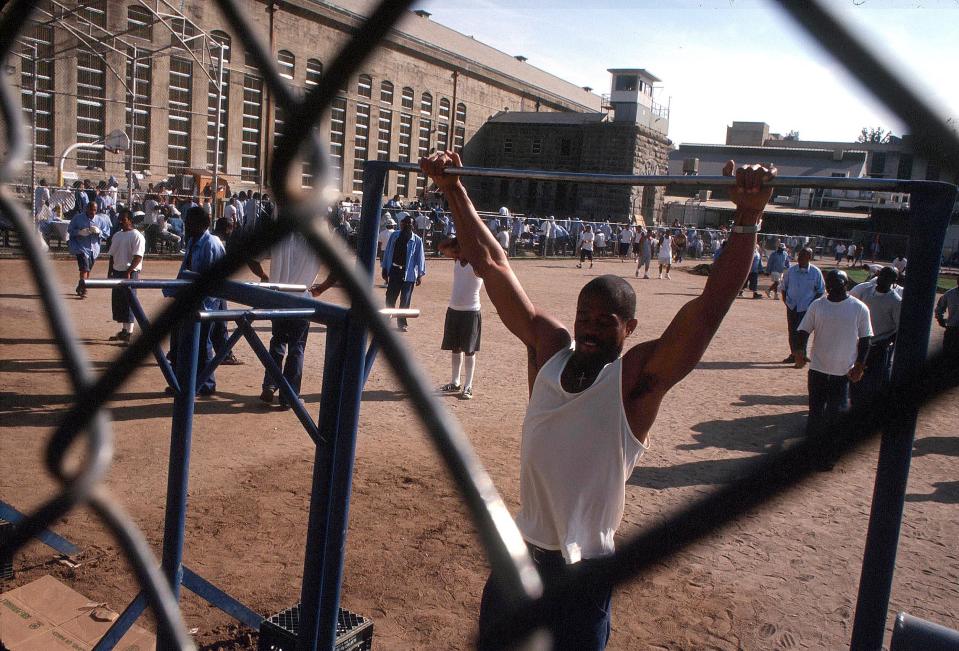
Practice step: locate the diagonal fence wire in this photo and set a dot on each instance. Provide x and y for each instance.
(298, 211)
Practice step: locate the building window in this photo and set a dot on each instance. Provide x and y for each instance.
(933, 171)
(565, 147)
(184, 35)
(423, 150)
(314, 70)
(140, 91)
(337, 136)
(250, 150)
(214, 106)
(507, 145)
(91, 122)
(904, 170)
(443, 126)
(140, 22)
(406, 100)
(386, 93)
(384, 135)
(364, 87)
(406, 143)
(180, 102)
(426, 106)
(537, 145)
(287, 64)
(459, 133)
(39, 108)
(361, 144)
(877, 166)
(96, 12)
(444, 109)
(627, 83)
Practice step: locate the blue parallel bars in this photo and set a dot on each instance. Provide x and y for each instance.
(931, 207)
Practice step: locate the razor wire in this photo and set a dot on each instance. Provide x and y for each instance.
(297, 211)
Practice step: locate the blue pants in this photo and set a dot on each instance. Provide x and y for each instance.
(877, 375)
(204, 353)
(120, 299)
(793, 319)
(828, 399)
(288, 340)
(578, 622)
(398, 287)
(218, 331)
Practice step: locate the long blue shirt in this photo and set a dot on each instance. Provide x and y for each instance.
(201, 254)
(801, 287)
(89, 244)
(757, 263)
(778, 261)
(415, 257)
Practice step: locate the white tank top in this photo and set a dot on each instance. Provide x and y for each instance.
(577, 453)
(465, 296)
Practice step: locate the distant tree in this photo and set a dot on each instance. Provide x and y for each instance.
(876, 134)
(792, 135)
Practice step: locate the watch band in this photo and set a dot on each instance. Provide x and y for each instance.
(749, 230)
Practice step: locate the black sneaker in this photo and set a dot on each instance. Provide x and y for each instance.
(231, 360)
(119, 336)
(206, 391)
(266, 396)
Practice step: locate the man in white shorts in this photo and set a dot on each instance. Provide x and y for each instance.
(591, 409)
(464, 321)
(776, 265)
(842, 326)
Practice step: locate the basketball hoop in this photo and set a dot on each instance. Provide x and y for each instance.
(116, 141)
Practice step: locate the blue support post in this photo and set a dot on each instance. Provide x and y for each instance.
(273, 370)
(178, 476)
(47, 537)
(217, 597)
(122, 624)
(219, 357)
(333, 466)
(162, 361)
(931, 208)
(370, 358)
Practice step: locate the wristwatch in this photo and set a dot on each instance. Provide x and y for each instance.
(749, 230)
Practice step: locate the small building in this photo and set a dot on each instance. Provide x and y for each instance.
(629, 137)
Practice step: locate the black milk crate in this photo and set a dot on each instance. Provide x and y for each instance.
(278, 633)
(6, 564)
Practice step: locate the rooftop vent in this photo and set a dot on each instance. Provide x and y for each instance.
(520, 57)
(422, 13)
(588, 89)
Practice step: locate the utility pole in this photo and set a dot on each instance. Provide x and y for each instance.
(219, 128)
(451, 125)
(133, 126)
(33, 120)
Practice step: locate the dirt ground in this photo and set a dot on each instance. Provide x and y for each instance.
(784, 577)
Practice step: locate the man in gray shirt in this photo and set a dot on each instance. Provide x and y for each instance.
(884, 304)
(947, 314)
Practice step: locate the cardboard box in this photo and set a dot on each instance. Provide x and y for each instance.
(47, 615)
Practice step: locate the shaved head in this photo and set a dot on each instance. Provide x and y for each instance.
(619, 293)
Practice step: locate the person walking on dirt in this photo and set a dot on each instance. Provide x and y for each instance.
(591, 407)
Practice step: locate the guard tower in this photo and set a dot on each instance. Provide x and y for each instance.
(631, 97)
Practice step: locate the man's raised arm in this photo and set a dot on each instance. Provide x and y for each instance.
(683, 343)
(479, 247)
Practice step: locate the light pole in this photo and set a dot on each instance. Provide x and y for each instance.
(133, 126)
(219, 128)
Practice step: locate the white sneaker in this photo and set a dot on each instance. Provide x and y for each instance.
(667, 276)
(646, 277)
(467, 393)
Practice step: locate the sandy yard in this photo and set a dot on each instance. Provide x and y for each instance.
(784, 577)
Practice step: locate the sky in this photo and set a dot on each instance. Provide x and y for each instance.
(726, 60)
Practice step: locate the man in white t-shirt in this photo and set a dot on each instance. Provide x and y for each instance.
(464, 321)
(293, 262)
(900, 264)
(842, 326)
(884, 302)
(591, 405)
(503, 238)
(586, 240)
(126, 260)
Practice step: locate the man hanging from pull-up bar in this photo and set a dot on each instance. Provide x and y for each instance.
(591, 409)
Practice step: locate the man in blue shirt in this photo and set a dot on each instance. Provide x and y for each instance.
(203, 250)
(752, 280)
(776, 265)
(86, 229)
(404, 265)
(802, 283)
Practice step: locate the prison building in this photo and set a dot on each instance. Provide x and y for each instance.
(427, 87)
(628, 137)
